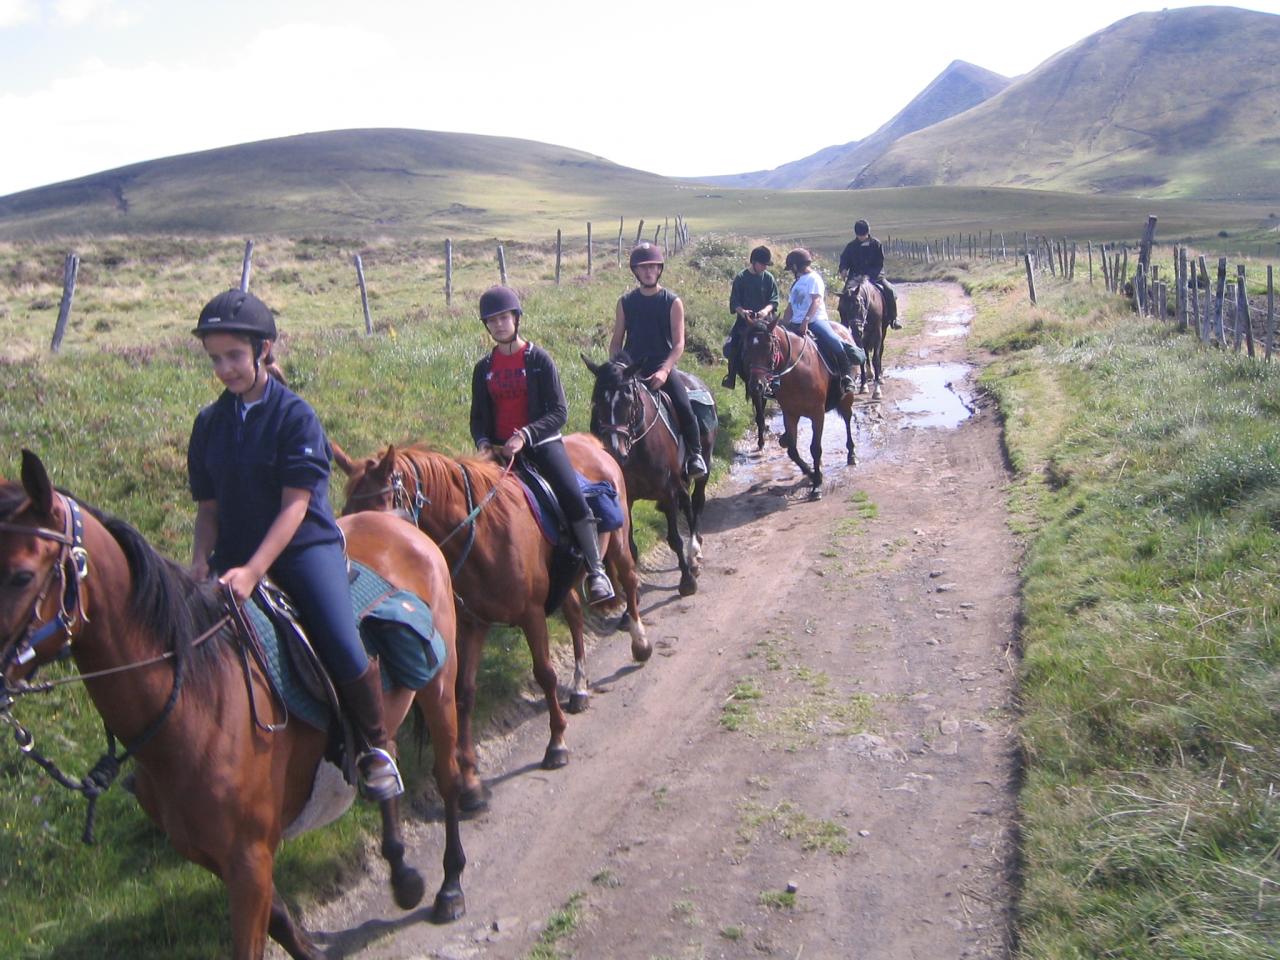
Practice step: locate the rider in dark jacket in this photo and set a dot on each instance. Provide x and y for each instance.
(754, 296)
(863, 256)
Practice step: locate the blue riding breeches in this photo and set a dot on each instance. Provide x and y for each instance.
(315, 578)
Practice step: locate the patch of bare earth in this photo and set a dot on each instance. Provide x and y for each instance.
(819, 759)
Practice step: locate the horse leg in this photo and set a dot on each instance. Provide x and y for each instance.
(688, 583)
(442, 723)
(407, 886)
(879, 365)
(815, 451)
(286, 932)
(535, 634)
(623, 570)
(757, 404)
(580, 693)
(250, 893)
(699, 501)
(846, 413)
(471, 636)
(790, 424)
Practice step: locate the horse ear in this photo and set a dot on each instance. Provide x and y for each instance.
(35, 480)
(388, 462)
(593, 367)
(344, 462)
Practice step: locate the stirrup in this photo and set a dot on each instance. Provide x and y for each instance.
(846, 383)
(379, 775)
(596, 595)
(695, 467)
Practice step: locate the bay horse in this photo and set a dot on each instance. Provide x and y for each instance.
(804, 388)
(862, 311)
(625, 415)
(154, 654)
(500, 563)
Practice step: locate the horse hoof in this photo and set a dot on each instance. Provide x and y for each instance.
(851, 461)
(815, 493)
(862, 388)
(407, 887)
(688, 586)
(578, 702)
(448, 907)
(474, 800)
(876, 394)
(555, 758)
(640, 652)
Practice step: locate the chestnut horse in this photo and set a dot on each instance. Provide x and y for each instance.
(804, 388)
(862, 312)
(500, 563)
(156, 657)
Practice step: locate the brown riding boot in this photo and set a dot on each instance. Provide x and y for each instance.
(362, 699)
(599, 587)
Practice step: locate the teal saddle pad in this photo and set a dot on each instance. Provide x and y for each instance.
(395, 625)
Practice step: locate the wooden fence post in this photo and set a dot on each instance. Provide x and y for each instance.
(1219, 294)
(364, 297)
(1071, 262)
(502, 266)
(1205, 315)
(639, 230)
(1271, 311)
(657, 228)
(589, 260)
(1031, 278)
(1089, 250)
(246, 266)
(70, 267)
(1193, 295)
(1181, 299)
(1242, 309)
(558, 239)
(1148, 238)
(448, 273)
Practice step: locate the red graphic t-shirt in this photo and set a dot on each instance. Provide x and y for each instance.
(509, 391)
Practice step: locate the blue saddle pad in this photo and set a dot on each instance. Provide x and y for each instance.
(602, 501)
(395, 625)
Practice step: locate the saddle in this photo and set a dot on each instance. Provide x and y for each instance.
(566, 558)
(704, 409)
(396, 626)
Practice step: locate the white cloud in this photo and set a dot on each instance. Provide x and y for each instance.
(15, 12)
(72, 13)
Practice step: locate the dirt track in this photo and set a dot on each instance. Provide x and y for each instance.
(862, 647)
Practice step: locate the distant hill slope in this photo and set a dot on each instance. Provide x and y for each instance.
(957, 88)
(1180, 103)
(382, 181)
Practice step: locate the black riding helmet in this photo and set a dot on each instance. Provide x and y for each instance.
(500, 299)
(647, 252)
(236, 312)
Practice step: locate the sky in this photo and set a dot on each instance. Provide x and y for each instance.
(682, 89)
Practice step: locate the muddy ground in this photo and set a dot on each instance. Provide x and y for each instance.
(829, 715)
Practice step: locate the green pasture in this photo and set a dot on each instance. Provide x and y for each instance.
(111, 415)
(1147, 488)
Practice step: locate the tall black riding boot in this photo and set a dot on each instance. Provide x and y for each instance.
(694, 465)
(599, 589)
(362, 698)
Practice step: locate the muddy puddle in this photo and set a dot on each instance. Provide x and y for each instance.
(941, 395)
(953, 323)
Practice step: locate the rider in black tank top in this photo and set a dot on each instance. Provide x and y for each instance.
(649, 325)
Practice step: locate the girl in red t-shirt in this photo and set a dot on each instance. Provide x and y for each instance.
(518, 408)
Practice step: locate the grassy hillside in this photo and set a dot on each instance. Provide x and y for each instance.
(1180, 103)
(1147, 487)
(357, 188)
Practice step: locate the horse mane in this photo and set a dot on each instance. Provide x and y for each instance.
(438, 472)
(164, 596)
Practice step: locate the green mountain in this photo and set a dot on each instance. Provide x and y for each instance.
(957, 88)
(376, 182)
(1180, 103)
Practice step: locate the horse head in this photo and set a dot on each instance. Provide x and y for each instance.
(854, 304)
(40, 571)
(371, 482)
(617, 406)
(760, 353)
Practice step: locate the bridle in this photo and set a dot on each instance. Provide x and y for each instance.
(776, 357)
(402, 504)
(71, 569)
(638, 424)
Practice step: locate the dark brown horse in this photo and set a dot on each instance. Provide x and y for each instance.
(862, 312)
(222, 786)
(500, 562)
(803, 387)
(625, 415)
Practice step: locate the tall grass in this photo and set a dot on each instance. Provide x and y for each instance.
(111, 421)
(1148, 485)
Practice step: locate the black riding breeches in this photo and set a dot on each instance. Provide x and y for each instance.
(674, 388)
(552, 461)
